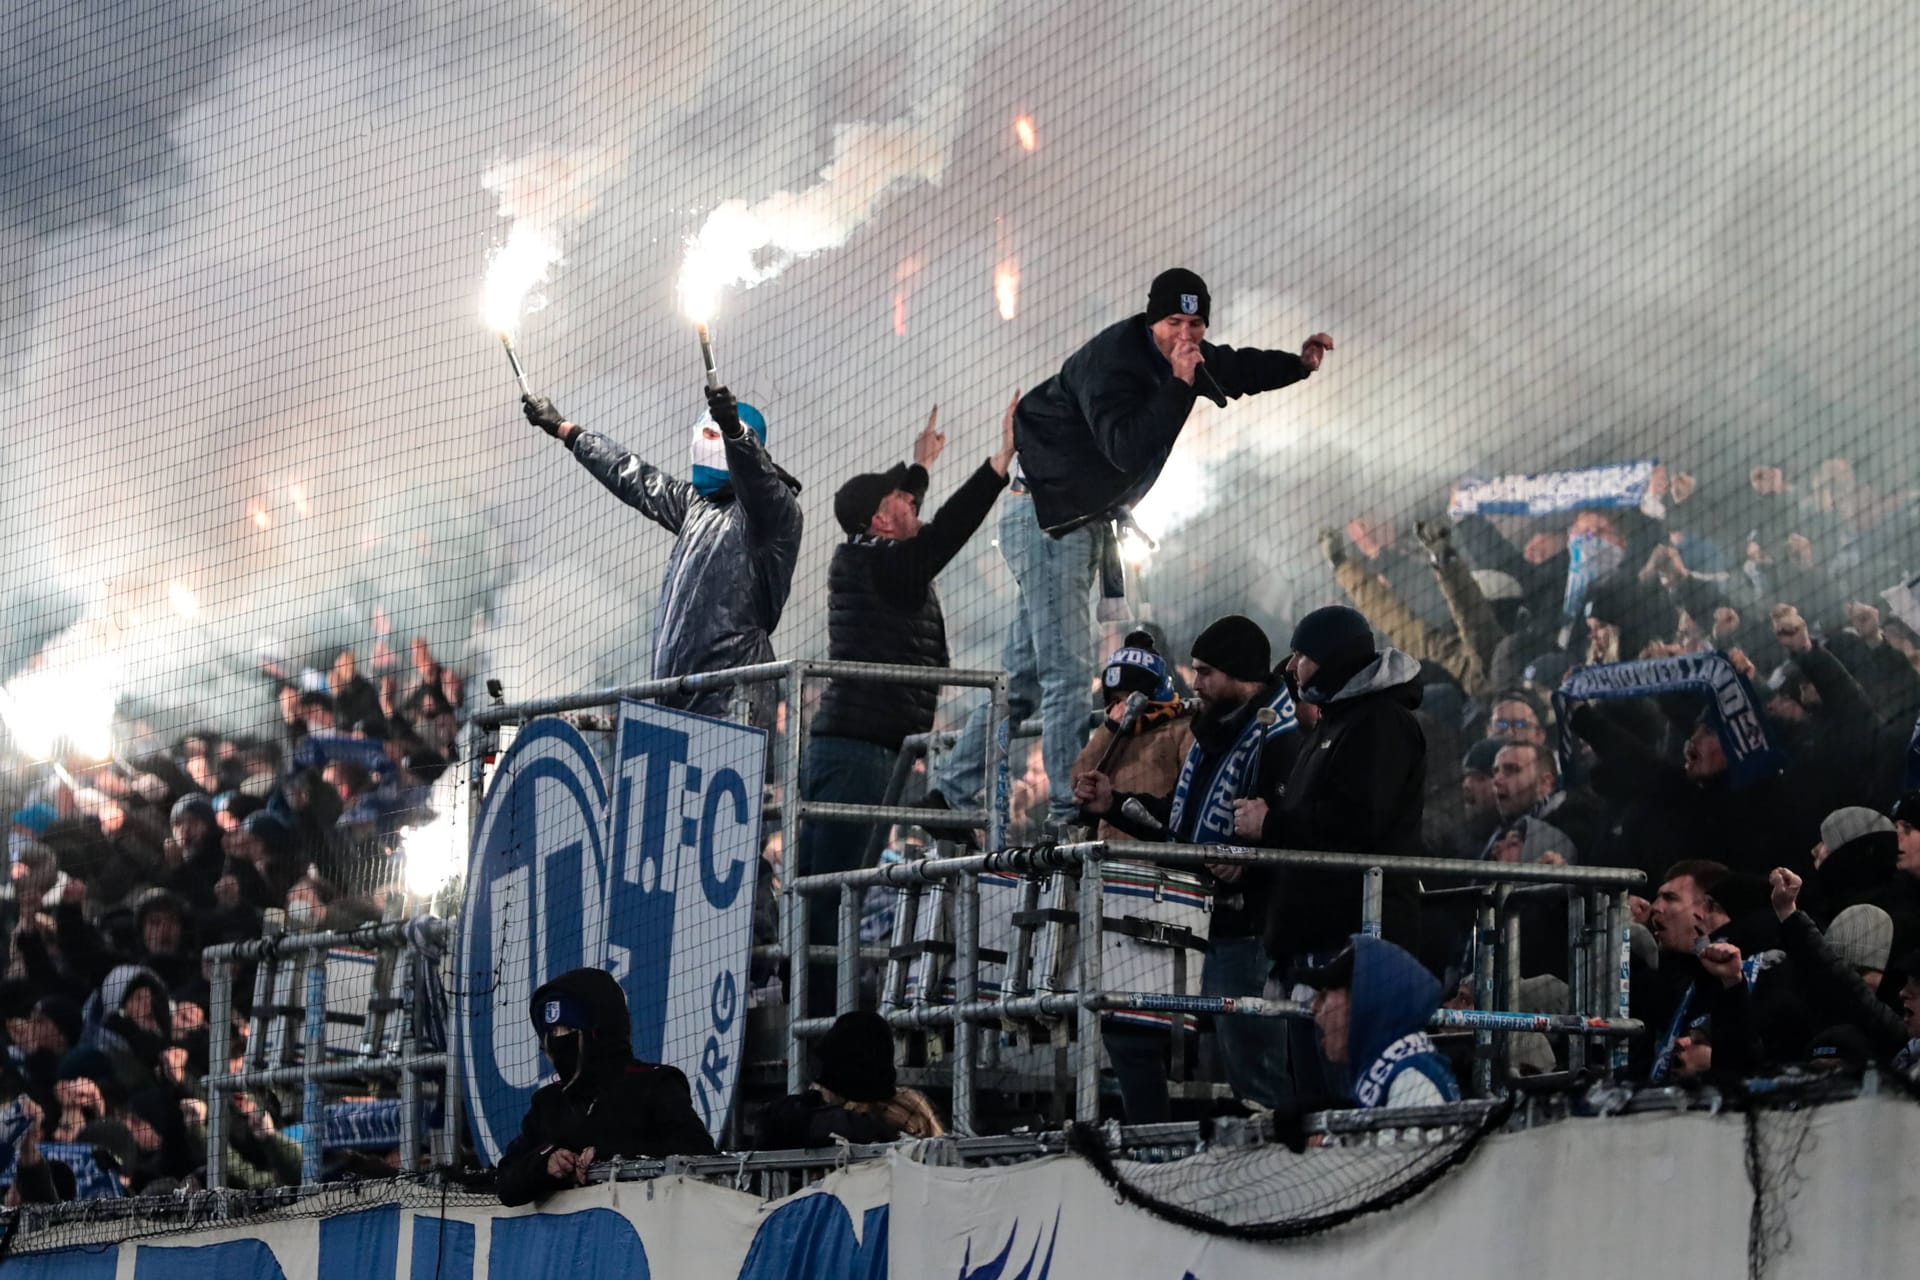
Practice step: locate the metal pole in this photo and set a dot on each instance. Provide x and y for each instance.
(1599, 963)
(794, 918)
(219, 1032)
(1577, 954)
(1509, 981)
(1086, 1046)
(966, 988)
(998, 725)
(313, 1051)
(409, 1080)
(1483, 993)
(846, 964)
(1621, 924)
(1372, 902)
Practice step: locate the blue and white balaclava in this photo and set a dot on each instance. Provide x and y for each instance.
(710, 453)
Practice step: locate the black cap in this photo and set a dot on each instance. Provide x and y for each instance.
(1178, 292)
(1907, 809)
(1335, 975)
(1479, 757)
(855, 1058)
(1236, 646)
(860, 497)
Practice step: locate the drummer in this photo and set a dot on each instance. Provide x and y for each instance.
(1243, 749)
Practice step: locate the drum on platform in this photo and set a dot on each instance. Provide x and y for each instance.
(1154, 931)
(929, 952)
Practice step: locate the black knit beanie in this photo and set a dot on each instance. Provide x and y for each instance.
(1236, 646)
(1177, 292)
(1333, 636)
(855, 1058)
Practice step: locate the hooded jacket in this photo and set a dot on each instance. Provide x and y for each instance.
(730, 570)
(133, 1049)
(1358, 786)
(616, 1105)
(1393, 997)
(1093, 437)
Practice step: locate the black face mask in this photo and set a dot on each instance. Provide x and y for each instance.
(565, 1051)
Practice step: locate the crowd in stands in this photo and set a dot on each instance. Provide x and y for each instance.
(123, 872)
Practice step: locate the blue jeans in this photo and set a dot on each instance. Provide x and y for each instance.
(1253, 1051)
(836, 771)
(1048, 658)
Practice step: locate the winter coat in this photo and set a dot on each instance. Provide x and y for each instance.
(617, 1105)
(1836, 990)
(730, 570)
(1147, 762)
(882, 607)
(1240, 906)
(1392, 999)
(805, 1120)
(1670, 997)
(1093, 437)
(1357, 787)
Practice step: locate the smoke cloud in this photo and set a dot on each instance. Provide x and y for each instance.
(243, 252)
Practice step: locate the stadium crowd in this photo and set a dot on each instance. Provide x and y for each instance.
(1746, 745)
(122, 873)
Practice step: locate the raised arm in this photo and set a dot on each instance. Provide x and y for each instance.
(647, 489)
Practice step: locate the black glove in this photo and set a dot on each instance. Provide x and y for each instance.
(725, 410)
(541, 413)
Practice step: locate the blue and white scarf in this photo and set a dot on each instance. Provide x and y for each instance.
(1619, 485)
(1411, 1052)
(1730, 701)
(1242, 764)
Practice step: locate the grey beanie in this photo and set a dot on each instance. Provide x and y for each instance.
(1862, 936)
(1844, 826)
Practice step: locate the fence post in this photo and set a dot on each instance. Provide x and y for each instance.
(794, 917)
(1086, 1045)
(1485, 929)
(313, 1051)
(1621, 927)
(1580, 988)
(219, 1034)
(1509, 978)
(846, 965)
(1372, 902)
(966, 989)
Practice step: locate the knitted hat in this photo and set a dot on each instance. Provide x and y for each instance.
(1238, 647)
(195, 804)
(1906, 809)
(1178, 292)
(270, 831)
(35, 818)
(1862, 935)
(63, 1013)
(1137, 668)
(563, 1009)
(859, 498)
(1332, 635)
(855, 1058)
(1844, 826)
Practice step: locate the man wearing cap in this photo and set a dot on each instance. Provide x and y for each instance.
(1092, 441)
(736, 527)
(1371, 1006)
(1244, 746)
(882, 607)
(1146, 754)
(603, 1103)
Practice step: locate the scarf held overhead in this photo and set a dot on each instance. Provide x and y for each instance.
(1618, 485)
(1730, 702)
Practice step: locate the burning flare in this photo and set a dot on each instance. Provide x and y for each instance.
(1006, 287)
(1023, 130)
(71, 703)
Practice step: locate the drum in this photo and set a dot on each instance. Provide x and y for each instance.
(1154, 936)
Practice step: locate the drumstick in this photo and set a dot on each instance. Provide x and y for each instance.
(1136, 703)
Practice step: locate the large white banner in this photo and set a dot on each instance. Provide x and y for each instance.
(649, 874)
(1578, 1200)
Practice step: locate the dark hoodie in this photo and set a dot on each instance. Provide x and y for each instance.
(1358, 786)
(1393, 998)
(613, 1103)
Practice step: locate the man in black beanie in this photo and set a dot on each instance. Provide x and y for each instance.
(1244, 746)
(1092, 441)
(1359, 787)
